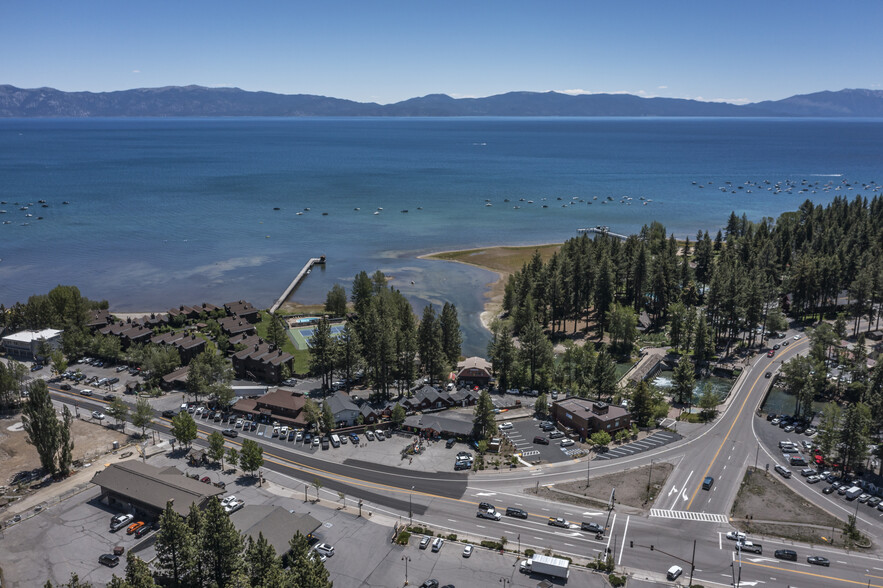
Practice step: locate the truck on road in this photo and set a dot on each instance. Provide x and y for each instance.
(543, 564)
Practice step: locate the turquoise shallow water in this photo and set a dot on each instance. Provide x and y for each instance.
(179, 211)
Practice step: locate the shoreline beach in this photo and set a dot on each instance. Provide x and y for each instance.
(501, 260)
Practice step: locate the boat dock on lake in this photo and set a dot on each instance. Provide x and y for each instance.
(601, 230)
(303, 273)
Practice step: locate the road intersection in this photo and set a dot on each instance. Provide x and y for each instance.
(644, 545)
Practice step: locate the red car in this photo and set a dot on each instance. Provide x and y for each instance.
(206, 480)
(770, 353)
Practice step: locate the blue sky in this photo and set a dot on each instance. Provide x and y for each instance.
(385, 51)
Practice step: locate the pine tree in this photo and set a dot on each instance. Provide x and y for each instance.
(304, 569)
(262, 566)
(118, 411)
(450, 331)
(484, 425)
(175, 549)
(684, 379)
(41, 424)
(335, 301)
(199, 566)
(220, 544)
(429, 344)
(604, 375)
(322, 352)
(502, 354)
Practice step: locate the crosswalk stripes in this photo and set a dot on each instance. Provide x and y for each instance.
(530, 453)
(704, 517)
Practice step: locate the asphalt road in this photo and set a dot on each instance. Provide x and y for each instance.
(683, 512)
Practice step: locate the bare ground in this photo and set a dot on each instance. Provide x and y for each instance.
(766, 506)
(631, 488)
(16, 454)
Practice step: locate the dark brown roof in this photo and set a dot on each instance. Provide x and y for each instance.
(154, 486)
(582, 407)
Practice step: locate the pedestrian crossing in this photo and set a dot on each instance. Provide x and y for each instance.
(685, 515)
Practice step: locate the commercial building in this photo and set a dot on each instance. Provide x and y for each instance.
(585, 417)
(280, 405)
(474, 371)
(276, 524)
(143, 489)
(25, 345)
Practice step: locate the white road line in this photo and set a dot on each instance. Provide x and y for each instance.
(720, 543)
(624, 533)
(610, 531)
(545, 509)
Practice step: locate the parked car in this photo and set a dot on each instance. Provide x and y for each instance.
(97, 415)
(437, 544)
(540, 440)
(109, 559)
(566, 442)
(142, 531)
(134, 527)
(505, 426)
(120, 521)
(369, 435)
(424, 543)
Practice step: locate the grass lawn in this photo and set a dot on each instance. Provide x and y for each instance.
(262, 328)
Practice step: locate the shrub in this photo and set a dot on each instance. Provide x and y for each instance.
(528, 553)
(495, 545)
(617, 581)
(452, 537)
(420, 531)
(403, 538)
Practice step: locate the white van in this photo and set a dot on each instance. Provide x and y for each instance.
(335, 440)
(674, 572)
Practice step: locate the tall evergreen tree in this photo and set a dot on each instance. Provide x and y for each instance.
(450, 334)
(484, 425)
(175, 549)
(220, 545)
(502, 354)
(262, 566)
(684, 379)
(322, 352)
(41, 424)
(429, 344)
(335, 301)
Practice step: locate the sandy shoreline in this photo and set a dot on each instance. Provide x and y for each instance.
(493, 305)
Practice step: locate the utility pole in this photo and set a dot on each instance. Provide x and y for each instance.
(692, 563)
(588, 470)
(756, 454)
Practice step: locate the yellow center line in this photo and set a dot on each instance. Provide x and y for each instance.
(814, 575)
(730, 430)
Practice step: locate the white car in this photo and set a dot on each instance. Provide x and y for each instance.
(796, 337)
(299, 437)
(98, 416)
(234, 506)
(283, 432)
(315, 441)
(325, 549)
(505, 426)
(227, 500)
(566, 442)
(736, 536)
(238, 423)
(467, 551)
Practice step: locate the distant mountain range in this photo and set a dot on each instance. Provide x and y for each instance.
(199, 101)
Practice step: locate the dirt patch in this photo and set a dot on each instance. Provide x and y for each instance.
(765, 506)
(16, 454)
(631, 488)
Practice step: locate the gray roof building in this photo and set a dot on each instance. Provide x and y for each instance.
(436, 423)
(342, 408)
(277, 524)
(147, 489)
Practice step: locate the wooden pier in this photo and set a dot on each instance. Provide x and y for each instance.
(305, 270)
(603, 231)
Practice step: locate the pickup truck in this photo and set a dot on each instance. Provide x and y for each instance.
(749, 547)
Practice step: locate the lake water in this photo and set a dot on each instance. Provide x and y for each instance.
(165, 212)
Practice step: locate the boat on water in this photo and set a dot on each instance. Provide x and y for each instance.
(376, 212)
(404, 210)
(488, 204)
(299, 213)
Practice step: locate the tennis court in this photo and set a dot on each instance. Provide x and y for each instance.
(301, 336)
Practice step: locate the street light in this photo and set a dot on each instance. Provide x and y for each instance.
(505, 581)
(406, 559)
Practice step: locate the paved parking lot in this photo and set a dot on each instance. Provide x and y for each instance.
(652, 442)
